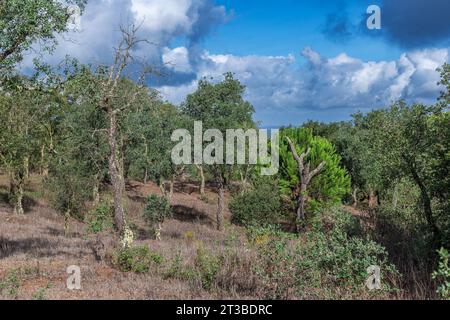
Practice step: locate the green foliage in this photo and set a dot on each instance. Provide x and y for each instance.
(445, 81)
(40, 294)
(443, 274)
(207, 266)
(330, 186)
(343, 259)
(137, 259)
(336, 218)
(326, 258)
(410, 142)
(176, 267)
(220, 106)
(11, 283)
(258, 205)
(101, 218)
(24, 22)
(260, 235)
(22, 132)
(149, 154)
(157, 209)
(77, 151)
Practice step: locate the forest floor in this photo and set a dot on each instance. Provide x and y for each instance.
(34, 253)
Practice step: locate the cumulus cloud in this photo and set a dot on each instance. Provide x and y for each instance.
(342, 83)
(160, 21)
(177, 59)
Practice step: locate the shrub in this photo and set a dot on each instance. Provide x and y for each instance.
(343, 260)
(40, 294)
(328, 258)
(137, 259)
(176, 267)
(336, 218)
(207, 266)
(275, 268)
(260, 235)
(259, 205)
(443, 274)
(101, 218)
(10, 284)
(156, 211)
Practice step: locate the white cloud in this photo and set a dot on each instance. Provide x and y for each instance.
(160, 21)
(168, 16)
(177, 59)
(339, 83)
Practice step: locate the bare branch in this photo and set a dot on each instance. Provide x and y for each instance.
(98, 131)
(294, 151)
(299, 158)
(317, 170)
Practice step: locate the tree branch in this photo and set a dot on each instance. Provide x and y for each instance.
(13, 48)
(300, 159)
(317, 171)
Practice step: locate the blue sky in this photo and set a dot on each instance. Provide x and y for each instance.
(299, 59)
(286, 26)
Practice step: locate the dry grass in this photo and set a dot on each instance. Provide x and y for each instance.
(36, 242)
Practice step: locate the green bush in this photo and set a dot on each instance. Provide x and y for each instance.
(259, 235)
(101, 218)
(330, 257)
(156, 210)
(207, 266)
(10, 284)
(443, 274)
(257, 206)
(336, 218)
(137, 259)
(202, 274)
(343, 259)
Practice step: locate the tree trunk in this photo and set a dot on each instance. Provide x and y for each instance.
(16, 192)
(426, 201)
(395, 198)
(115, 174)
(355, 197)
(162, 187)
(221, 204)
(145, 176)
(66, 223)
(18, 206)
(26, 167)
(158, 232)
(146, 160)
(43, 165)
(202, 182)
(373, 199)
(301, 207)
(96, 192)
(244, 179)
(171, 188)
